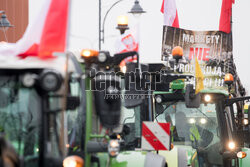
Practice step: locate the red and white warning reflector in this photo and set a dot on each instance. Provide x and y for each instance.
(155, 136)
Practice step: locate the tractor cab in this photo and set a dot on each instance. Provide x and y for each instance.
(194, 131)
(40, 111)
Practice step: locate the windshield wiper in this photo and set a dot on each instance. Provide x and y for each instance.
(165, 109)
(205, 115)
(128, 118)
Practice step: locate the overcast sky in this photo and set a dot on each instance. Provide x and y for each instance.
(84, 26)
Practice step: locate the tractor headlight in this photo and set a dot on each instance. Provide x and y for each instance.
(192, 120)
(158, 99)
(73, 161)
(203, 121)
(50, 80)
(113, 148)
(245, 121)
(207, 98)
(102, 57)
(231, 145)
(28, 80)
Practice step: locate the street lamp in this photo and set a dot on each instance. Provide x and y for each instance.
(122, 24)
(136, 9)
(4, 22)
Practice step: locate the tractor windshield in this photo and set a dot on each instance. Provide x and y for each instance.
(194, 128)
(20, 120)
(20, 109)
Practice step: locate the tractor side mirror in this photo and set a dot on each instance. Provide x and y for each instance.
(159, 108)
(107, 99)
(132, 86)
(192, 100)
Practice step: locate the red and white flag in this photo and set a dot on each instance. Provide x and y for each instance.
(44, 35)
(155, 136)
(168, 8)
(225, 16)
(222, 22)
(125, 43)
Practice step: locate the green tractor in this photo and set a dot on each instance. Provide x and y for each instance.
(113, 122)
(41, 111)
(206, 112)
(207, 129)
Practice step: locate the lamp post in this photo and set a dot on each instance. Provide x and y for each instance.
(102, 24)
(4, 23)
(136, 10)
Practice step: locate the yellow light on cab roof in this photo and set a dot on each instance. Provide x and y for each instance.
(89, 53)
(229, 78)
(177, 51)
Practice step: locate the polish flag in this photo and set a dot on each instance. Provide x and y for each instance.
(125, 43)
(193, 11)
(44, 35)
(168, 8)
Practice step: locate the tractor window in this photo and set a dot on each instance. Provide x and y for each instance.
(54, 123)
(75, 121)
(73, 124)
(131, 125)
(20, 110)
(229, 116)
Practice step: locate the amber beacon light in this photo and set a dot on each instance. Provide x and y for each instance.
(177, 53)
(89, 53)
(229, 79)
